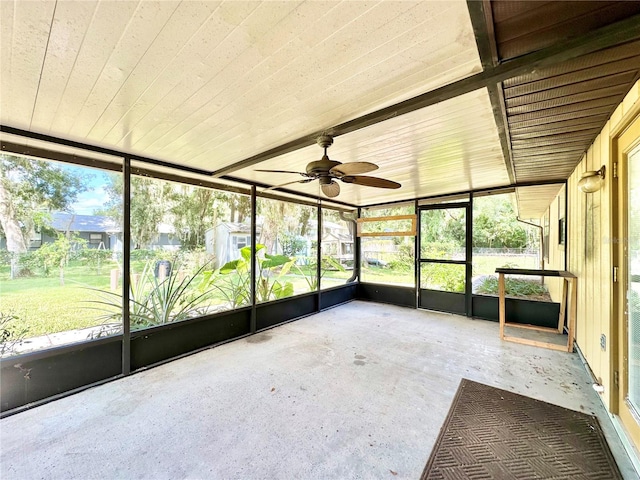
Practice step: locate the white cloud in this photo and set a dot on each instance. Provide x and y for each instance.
(90, 200)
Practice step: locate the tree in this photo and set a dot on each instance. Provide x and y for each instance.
(240, 206)
(28, 188)
(194, 211)
(150, 200)
(57, 254)
(190, 210)
(283, 222)
(495, 224)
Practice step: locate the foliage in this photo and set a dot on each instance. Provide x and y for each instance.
(442, 233)
(387, 212)
(5, 258)
(149, 202)
(28, 264)
(404, 258)
(309, 273)
(495, 225)
(443, 276)
(155, 301)
(283, 223)
(194, 210)
(141, 254)
(269, 282)
(10, 333)
(233, 279)
(271, 269)
(234, 286)
(439, 250)
(29, 189)
(35, 187)
(291, 244)
(515, 287)
(56, 254)
(190, 210)
(239, 205)
(95, 258)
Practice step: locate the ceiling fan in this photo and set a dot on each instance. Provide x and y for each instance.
(328, 171)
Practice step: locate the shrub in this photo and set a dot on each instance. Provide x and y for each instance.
(10, 334)
(94, 257)
(515, 287)
(141, 254)
(441, 276)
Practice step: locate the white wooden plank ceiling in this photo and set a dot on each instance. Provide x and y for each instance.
(449, 147)
(209, 83)
(206, 84)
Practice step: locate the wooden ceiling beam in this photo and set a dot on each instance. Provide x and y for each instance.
(483, 28)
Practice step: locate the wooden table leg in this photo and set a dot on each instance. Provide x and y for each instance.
(563, 306)
(501, 306)
(573, 311)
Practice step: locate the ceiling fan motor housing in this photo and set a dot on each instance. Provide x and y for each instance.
(325, 180)
(322, 166)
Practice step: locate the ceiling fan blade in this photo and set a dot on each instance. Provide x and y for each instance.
(282, 171)
(353, 168)
(306, 180)
(330, 189)
(370, 181)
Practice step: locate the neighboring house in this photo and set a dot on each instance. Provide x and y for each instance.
(337, 241)
(99, 231)
(166, 238)
(226, 239)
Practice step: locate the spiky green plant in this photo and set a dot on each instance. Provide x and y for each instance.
(154, 301)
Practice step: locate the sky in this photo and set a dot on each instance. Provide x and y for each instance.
(95, 197)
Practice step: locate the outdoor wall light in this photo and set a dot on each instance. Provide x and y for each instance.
(592, 180)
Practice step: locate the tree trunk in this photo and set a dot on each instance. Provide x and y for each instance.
(233, 211)
(15, 240)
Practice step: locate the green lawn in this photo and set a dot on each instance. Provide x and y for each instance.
(45, 306)
(487, 264)
(387, 275)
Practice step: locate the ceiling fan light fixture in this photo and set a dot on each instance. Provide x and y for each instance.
(331, 189)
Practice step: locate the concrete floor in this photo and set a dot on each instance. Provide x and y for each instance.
(358, 391)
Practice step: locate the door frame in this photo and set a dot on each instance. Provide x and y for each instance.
(468, 206)
(624, 142)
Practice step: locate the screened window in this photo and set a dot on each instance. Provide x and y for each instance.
(337, 248)
(286, 252)
(52, 277)
(388, 259)
(500, 240)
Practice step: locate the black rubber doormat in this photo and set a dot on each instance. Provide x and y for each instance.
(491, 433)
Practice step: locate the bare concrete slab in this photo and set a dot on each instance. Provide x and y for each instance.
(358, 391)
